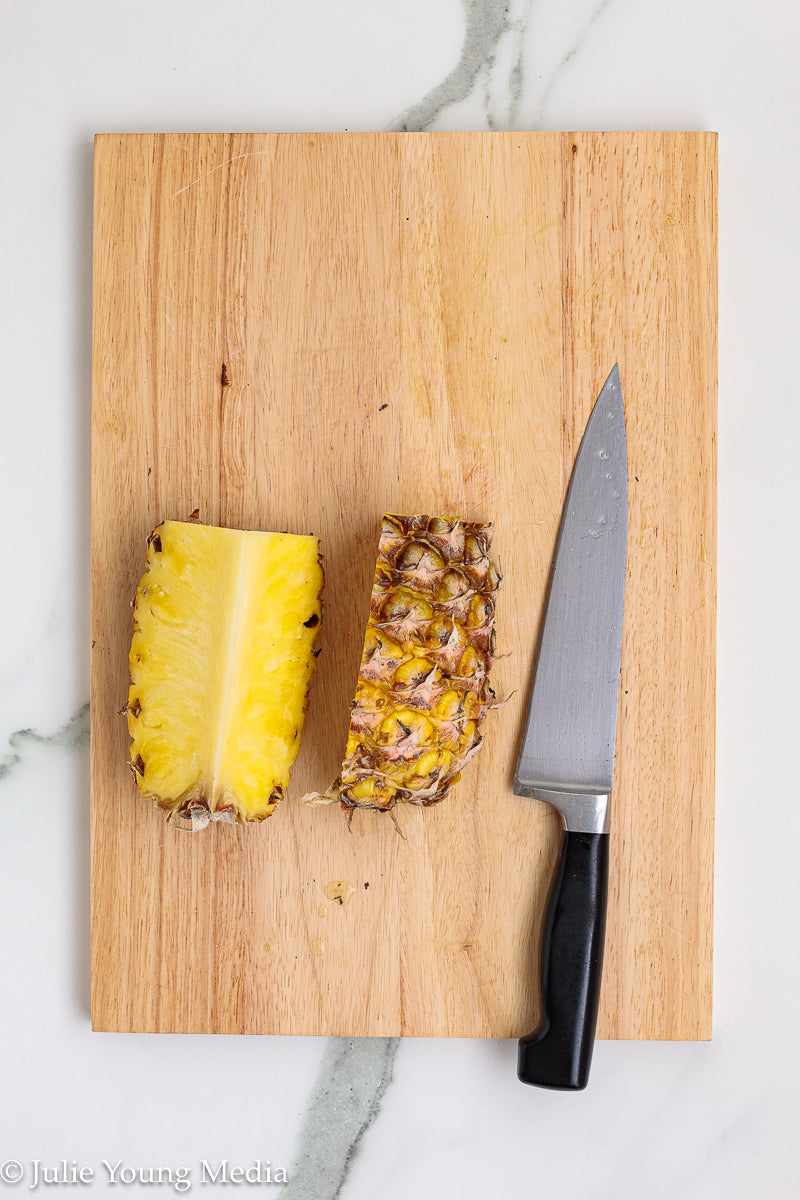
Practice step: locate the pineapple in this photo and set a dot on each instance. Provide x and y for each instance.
(220, 663)
(422, 689)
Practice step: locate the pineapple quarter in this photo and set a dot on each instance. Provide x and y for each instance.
(423, 685)
(221, 661)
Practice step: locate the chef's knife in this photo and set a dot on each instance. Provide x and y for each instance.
(567, 755)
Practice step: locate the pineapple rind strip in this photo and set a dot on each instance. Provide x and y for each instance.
(428, 575)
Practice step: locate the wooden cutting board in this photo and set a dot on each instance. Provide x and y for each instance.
(299, 332)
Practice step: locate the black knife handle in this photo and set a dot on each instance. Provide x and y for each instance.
(558, 1053)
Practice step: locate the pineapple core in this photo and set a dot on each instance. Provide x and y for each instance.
(221, 662)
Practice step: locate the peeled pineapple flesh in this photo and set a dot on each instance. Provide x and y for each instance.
(221, 662)
(423, 687)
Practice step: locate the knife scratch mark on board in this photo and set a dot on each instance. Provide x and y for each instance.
(656, 920)
(600, 275)
(236, 157)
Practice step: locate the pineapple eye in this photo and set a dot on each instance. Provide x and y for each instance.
(413, 671)
(401, 724)
(419, 556)
(471, 661)
(383, 577)
(453, 585)
(493, 578)
(432, 760)
(439, 631)
(390, 731)
(363, 790)
(391, 526)
(480, 610)
(402, 605)
(369, 696)
(374, 793)
(469, 735)
(473, 549)
(425, 731)
(378, 642)
(372, 642)
(447, 705)
(409, 556)
(440, 525)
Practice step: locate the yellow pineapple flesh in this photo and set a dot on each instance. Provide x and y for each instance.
(423, 686)
(221, 662)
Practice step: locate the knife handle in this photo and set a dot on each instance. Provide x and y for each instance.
(558, 1053)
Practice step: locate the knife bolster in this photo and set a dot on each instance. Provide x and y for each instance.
(582, 812)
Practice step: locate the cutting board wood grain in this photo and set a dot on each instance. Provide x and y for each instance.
(300, 332)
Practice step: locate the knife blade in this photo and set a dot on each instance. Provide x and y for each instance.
(567, 753)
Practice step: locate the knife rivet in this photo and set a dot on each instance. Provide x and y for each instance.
(604, 454)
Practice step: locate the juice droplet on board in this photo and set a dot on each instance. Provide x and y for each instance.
(339, 890)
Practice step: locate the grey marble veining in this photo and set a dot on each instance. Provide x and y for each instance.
(353, 1076)
(72, 735)
(554, 77)
(488, 24)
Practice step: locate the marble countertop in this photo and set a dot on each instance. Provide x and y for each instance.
(432, 1118)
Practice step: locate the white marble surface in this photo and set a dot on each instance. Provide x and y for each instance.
(435, 1119)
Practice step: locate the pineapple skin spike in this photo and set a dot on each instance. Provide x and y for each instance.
(423, 685)
(221, 662)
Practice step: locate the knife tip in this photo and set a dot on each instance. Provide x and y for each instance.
(610, 392)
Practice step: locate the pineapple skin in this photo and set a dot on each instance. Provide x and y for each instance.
(423, 688)
(221, 662)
